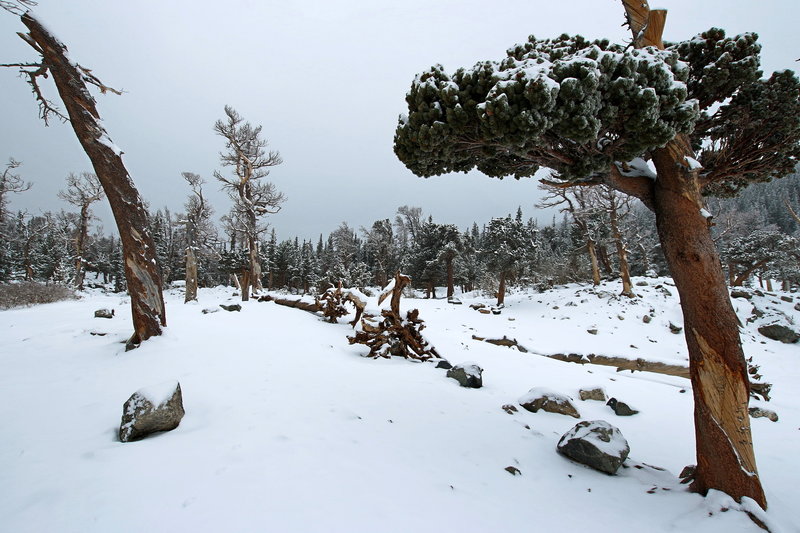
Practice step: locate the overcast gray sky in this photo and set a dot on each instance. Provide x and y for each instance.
(325, 78)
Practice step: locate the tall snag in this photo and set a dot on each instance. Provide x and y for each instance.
(141, 270)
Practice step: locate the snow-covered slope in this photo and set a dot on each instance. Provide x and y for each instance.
(288, 428)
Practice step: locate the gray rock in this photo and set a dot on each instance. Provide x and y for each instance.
(646, 319)
(741, 294)
(596, 393)
(596, 444)
(549, 401)
(780, 333)
(443, 363)
(675, 329)
(592, 331)
(642, 283)
(233, 307)
(477, 306)
(468, 375)
(797, 307)
(758, 412)
(104, 313)
(621, 408)
(150, 410)
(208, 310)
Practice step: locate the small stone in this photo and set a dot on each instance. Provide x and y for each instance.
(787, 299)
(556, 307)
(592, 331)
(758, 412)
(646, 319)
(454, 301)
(444, 363)
(596, 393)
(741, 294)
(496, 310)
(233, 307)
(620, 317)
(209, 310)
(549, 401)
(596, 444)
(675, 329)
(797, 307)
(484, 311)
(468, 375)
(510, 409)
(621, 408)
(687, 474)
(513, 470)
(104, 313)
(780, 333)
(642, 283)
(476, 306)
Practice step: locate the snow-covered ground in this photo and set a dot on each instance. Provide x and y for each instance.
(289, 429)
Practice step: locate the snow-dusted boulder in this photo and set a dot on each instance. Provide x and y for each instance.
(550, 401)
(777, 332)
(232, 307)
(593, 393)
(152, 409)
(596, 444)
(621, 408)
(104, 313)
(468, 375)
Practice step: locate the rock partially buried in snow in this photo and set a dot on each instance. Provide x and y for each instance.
(104, 313)
(595, 393)
(152, 409)
(232, 307)
(596, 444)
(468, 375)
(549, 401)
(780, 333)
(759, 412)
(621, 408)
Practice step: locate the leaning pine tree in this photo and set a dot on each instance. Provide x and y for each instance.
(597, 113)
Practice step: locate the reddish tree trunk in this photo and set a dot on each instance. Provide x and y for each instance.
(724, 446)
(720, 384)
(622, 253)
(501, 292)
(141, 271)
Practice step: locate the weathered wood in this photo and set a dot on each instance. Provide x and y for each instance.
(141, 270)
(311, 307)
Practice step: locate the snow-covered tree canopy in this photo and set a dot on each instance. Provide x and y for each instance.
(579, 106)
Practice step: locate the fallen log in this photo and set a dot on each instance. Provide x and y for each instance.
(311, 307)
(621, 363)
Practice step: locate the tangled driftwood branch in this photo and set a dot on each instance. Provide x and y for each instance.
(393, 335)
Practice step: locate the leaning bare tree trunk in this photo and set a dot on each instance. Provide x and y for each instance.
(501, 292)
(191, 276)
(592, 250)
(141, 271)
(724, 446)
(622, 253)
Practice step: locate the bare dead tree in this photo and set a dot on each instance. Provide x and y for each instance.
(82, 190)
(246, 152)
(71, 80)
(10, 183)
(198, 229)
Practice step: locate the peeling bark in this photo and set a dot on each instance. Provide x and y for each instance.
(191, 276)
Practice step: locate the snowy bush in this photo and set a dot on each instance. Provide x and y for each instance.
(30, 293)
